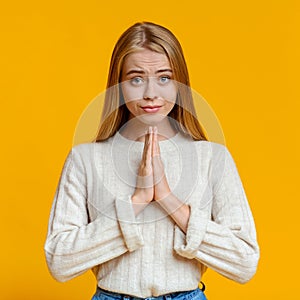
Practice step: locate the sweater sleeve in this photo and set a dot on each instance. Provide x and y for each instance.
(223, 238)
(74, 244)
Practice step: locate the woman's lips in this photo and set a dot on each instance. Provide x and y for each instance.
(151, 109)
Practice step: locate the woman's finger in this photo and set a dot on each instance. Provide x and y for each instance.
(149, 147)
(155, 144)
(146, 146)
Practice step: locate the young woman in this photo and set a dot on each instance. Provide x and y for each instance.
(151, 203)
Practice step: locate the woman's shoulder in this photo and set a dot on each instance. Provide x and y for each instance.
(211, 151)
(86, 150)
(209, 146)
(204, 145)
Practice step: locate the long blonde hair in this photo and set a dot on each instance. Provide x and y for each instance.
(156, 38)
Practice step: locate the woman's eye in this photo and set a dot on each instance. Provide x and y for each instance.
(136, 80)
(164, 79)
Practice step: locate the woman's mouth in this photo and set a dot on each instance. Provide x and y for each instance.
(151, 109)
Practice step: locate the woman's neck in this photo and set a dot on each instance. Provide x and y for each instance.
(136, 130)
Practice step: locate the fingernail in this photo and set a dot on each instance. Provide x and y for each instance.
(150, 129)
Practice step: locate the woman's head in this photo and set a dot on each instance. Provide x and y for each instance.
(159, 40)
(148, 89)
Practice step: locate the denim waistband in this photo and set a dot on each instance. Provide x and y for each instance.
(182, 295)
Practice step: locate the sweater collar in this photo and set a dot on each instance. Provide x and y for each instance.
(170, 144)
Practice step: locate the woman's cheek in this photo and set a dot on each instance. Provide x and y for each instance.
(131, 93)
(169, 92)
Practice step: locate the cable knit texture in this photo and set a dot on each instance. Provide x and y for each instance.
(93, 226)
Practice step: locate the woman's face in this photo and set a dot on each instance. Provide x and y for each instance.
(147, 86)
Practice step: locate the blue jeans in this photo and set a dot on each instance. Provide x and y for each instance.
(196, 294)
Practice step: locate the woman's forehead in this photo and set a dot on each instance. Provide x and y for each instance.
(146, 59)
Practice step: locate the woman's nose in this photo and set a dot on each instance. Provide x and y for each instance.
(150, 92)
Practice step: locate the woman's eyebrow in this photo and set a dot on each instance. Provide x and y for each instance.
(143, 72)
(164, 70)
(134, 72)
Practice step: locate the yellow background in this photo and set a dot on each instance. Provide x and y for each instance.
(243, 57)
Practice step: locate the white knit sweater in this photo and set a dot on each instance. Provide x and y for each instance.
(93, 226)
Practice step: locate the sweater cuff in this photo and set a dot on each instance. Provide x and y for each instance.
(129, 227)
(187, 245)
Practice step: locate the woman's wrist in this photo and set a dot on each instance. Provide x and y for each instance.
(141, 197)
(139, 202)
(177, 210)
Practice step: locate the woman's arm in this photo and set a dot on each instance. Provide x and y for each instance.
(178, 211)
(224, 238)
(74, 244)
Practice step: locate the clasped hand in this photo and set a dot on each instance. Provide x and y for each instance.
(152, 184)
(151, 180)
